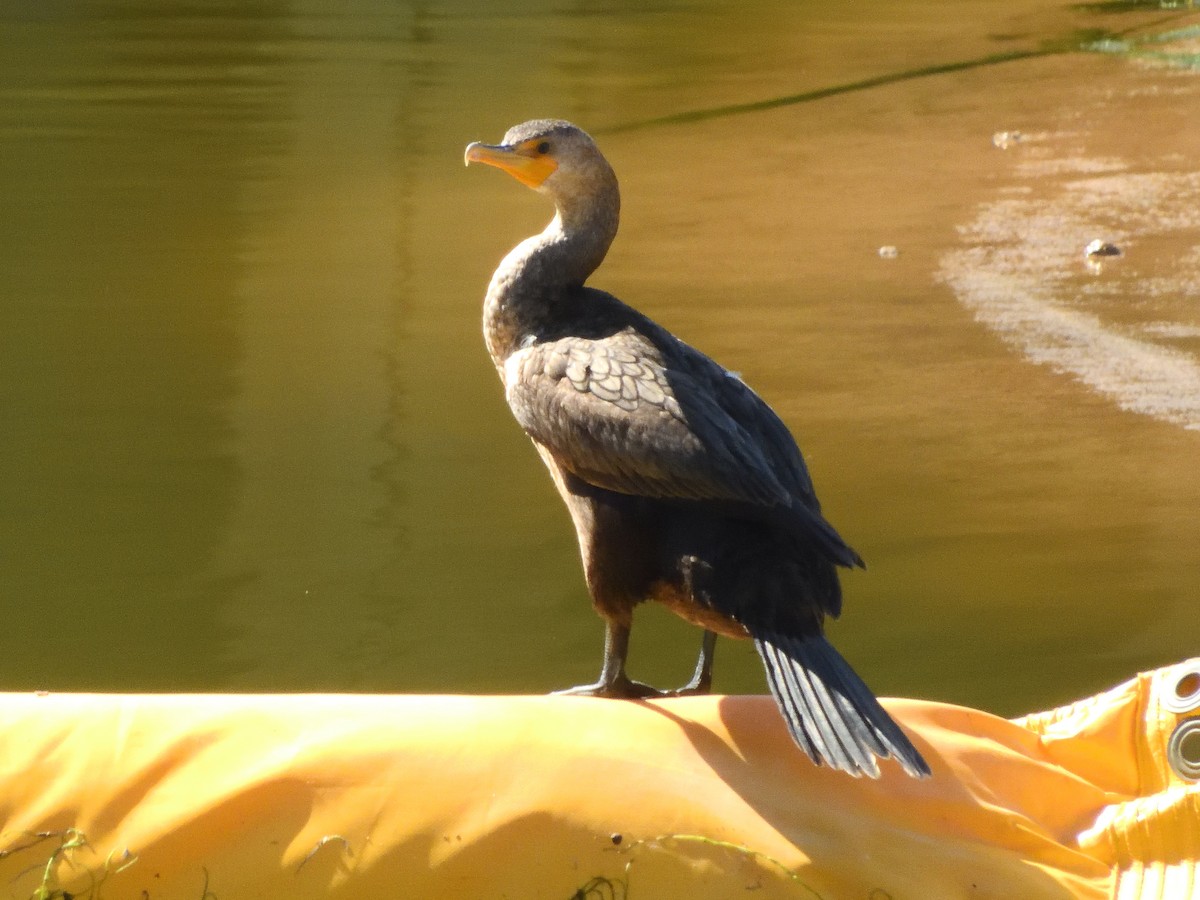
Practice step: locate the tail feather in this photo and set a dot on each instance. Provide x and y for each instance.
(826, 723)
(831, 714)
(859, 751)
(780, 688)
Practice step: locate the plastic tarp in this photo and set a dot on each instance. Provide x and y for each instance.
(223, 797)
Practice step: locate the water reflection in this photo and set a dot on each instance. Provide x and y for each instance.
(120, 250)
(319, 415)
(252, 438)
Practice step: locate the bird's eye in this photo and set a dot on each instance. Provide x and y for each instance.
(543, 147)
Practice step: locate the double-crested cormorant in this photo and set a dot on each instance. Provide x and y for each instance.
(683, 485)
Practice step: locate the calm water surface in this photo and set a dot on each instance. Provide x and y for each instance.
(251, 439)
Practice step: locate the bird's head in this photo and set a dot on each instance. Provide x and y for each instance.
(553, 157)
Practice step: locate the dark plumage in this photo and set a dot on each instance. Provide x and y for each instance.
(684, 486)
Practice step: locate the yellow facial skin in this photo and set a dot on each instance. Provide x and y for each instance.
(524, 162)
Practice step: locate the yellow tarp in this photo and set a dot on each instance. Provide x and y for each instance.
(231, 797)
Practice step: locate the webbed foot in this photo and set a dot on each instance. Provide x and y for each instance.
(621, 688)
(694, 688)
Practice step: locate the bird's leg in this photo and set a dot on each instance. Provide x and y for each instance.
(613, 680)
(701, 682)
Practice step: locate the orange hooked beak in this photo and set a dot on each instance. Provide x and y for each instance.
(522, 161)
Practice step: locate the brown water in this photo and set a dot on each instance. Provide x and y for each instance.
(251, 439)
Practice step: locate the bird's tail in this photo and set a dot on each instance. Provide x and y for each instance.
(829, 711)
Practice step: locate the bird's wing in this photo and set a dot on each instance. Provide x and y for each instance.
(613, 414)
(779, 449)
(765, 428)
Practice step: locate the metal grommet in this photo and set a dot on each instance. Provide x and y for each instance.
(1182, 687)
(1183, 750)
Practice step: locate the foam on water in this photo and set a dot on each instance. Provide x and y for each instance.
(1022, 271)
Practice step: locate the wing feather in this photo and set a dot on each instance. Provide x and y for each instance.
(612, 413)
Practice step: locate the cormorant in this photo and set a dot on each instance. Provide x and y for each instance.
(684, 486)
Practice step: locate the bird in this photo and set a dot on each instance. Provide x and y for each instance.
(684, 486)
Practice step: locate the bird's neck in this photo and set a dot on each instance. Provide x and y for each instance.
(539, 273)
